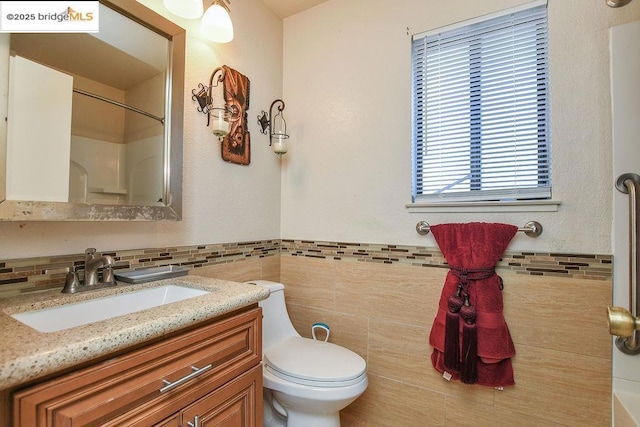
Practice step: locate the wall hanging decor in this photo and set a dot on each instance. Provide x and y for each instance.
(227, 113)
(276, 127)
(236, 146)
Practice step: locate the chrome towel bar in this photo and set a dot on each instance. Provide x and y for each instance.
(531, 228)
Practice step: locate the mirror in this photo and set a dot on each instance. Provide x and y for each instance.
(94, 121)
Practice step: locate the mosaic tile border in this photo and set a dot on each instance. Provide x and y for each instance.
(37, 274)
(583, 266)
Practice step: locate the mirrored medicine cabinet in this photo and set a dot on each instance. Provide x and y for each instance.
(93, 127)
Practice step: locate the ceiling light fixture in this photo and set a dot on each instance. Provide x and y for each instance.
(216, 23)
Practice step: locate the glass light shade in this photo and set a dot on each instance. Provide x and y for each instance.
(219, 122)
(189, 9)
(216, 24)
(280, 143)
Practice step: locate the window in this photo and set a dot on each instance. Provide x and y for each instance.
(480, 110)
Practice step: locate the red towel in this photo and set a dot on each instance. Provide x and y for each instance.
(475, 248)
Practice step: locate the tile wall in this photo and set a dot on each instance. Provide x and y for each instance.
(42, 273)
(383, 309)
(380, 301)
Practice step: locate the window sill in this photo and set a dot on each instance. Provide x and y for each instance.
(519, 206)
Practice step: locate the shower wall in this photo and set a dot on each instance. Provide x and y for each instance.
(625, 88)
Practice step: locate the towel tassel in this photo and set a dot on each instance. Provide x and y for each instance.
(469, 374)
(452, 331)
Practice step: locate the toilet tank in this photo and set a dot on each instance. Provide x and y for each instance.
(276, 324)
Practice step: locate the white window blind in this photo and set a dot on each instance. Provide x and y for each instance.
(481, 112)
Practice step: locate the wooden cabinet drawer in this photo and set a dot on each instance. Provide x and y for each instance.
(237, 403)
(132, 383)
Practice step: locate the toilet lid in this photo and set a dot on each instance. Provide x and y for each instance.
(318, 363)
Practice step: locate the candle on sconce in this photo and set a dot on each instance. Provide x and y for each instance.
(275, 127)
(219, 123)
(280, 144)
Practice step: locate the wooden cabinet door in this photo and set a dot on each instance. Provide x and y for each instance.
(131, 389)
(173, 421)
(236, 404)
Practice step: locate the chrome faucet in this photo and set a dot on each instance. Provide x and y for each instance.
(92, 264)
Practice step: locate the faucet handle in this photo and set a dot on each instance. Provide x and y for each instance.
(90, 252)
(72, 283)
(107, 274)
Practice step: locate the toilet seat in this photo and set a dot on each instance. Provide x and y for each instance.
(315, 363)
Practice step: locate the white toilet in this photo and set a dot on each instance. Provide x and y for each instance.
(306, 382)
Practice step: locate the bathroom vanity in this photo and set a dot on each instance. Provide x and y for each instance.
(185, 363)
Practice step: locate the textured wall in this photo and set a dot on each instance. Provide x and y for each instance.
(222, 202)
(347, 83)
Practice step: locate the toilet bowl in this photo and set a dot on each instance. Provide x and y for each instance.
(306, 381)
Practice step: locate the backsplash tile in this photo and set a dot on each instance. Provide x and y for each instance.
(41, 273)
(585, 266)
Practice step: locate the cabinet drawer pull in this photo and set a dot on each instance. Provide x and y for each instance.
(196, 371)
(194, 423)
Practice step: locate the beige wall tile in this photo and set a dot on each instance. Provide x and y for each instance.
(346, 330)
(394, 404)
(395, 305)
(271, 268)
(350, 420)
(463, 413)
(386, 291)
(402, 352)
(309, 281)
(559, 386)
(239, 271)
(558, 313)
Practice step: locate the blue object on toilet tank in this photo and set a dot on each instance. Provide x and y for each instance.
(321, 326)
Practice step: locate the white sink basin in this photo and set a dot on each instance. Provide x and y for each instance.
(81, 313)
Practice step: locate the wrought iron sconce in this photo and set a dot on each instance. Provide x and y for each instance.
(218, 116)
(275, 127)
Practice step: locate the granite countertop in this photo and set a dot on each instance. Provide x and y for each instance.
(26, 354)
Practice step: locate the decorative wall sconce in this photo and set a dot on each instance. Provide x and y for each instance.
(216, 23)
(275, 127)
(218, 116)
